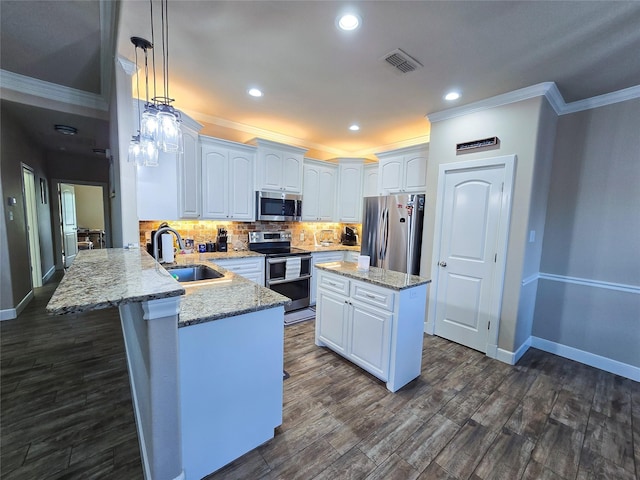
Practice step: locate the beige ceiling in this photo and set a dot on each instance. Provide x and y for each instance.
(318, 80)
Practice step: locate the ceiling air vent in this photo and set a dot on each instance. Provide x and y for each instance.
(401, 62)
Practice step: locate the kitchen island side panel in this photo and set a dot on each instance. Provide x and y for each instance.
(231, 387)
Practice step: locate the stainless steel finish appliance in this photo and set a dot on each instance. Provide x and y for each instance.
(287, 269)
(278, 207)
(392, 232)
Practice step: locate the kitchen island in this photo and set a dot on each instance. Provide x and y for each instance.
(374, 318)
(205, 362)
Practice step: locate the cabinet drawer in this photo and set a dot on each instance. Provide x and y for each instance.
(242, 266)
(371, 295)
(334, 283)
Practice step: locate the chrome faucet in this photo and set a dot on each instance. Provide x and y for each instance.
(159, 232)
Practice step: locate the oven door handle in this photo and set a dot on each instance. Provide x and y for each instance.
(271, 261)
(288, 280)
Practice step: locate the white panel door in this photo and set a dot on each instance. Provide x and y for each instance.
(292, 173)
(370, 339)
(69, 223)
(241, 181)
(468, 247)
(326, 194)
(215, 182)
(415, 173)
(271, 171)
(311, 193)
(332, 320)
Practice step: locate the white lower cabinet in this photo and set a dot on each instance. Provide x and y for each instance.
(321, 257)
(351, 256)
(251, 268)
(378, 329)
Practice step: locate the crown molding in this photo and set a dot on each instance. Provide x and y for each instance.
(526, 93)
(127, 65)
(603, 100)
(408, 143)
(108, 35)
(51, 91)
(263, 133)
(547, 89)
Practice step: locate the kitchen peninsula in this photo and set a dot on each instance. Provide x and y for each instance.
(205, 362)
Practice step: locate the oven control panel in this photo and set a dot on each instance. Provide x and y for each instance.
(262, 237)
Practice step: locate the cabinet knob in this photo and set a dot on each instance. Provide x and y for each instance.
(443, 264)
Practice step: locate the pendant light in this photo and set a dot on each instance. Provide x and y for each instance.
(160, 120)
(159, 124)
(142, 148)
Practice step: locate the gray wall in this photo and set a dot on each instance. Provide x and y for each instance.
(593, 233)
(17, 148)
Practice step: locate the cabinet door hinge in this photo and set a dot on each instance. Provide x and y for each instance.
(489, 325)
(502, 187)
(495, 258)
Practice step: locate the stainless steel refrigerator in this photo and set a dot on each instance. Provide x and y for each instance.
(392, 232)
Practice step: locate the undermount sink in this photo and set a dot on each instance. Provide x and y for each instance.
(195, 274)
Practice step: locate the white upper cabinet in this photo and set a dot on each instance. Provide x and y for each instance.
(350, 190)
(227, 179)
(278, 167)
(171, 190)
(319, 191)
(189, 175)
(370, 182)
(403, 170)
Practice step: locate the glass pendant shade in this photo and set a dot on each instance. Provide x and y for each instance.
(149, 123)
(150, 152)
(169, 129)
(135, 151)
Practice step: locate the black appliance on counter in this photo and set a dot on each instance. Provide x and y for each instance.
(287, 269)
(349, 237)
(222, 239)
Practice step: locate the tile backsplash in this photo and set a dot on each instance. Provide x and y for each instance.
(202, 231)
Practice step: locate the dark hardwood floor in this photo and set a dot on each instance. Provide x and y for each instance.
(67, 413)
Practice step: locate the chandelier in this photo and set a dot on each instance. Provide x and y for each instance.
(159, 124)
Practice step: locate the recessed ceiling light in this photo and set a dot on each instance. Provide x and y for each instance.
(354, 127)
(452, 96)
(349, 22)
(254, 92)
(65, 129)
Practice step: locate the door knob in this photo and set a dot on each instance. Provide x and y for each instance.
(443, 264)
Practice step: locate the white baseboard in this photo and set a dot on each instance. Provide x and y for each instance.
(7, 314)
(512, 357)
(11, 313)
(591, 359)
(48, 275)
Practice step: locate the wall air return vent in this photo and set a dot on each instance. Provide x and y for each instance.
(401, 62)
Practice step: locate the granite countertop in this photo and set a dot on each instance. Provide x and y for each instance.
(377, 276)
(233, 295)
(191, 258)
(110, 277)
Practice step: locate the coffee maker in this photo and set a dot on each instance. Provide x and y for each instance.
(222, 239)
(349, 237)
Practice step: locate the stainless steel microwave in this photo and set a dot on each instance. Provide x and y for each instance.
(278, 207)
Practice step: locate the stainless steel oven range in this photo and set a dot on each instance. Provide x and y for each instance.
(287, 269)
